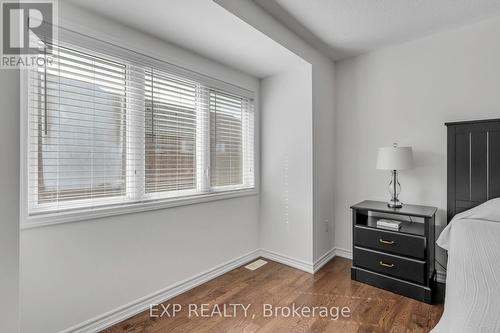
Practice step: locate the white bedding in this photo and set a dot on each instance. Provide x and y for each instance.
(472, 302)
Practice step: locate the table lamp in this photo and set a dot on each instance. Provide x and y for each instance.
(394, 159)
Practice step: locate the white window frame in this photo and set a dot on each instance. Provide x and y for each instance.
(110, 207)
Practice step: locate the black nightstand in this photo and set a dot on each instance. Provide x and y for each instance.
(400, 261)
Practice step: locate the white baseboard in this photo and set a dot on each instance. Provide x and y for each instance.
(303, 265)
(343, 253)
(286, 260)
(324, 259)
(117, 315)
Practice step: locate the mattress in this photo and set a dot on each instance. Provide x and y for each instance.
(472, 301)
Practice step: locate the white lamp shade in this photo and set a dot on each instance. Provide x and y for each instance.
(395, 158)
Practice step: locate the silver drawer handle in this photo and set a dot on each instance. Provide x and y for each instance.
(383, 241)
(386, 265)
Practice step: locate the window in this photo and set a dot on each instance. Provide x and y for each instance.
(107, 131)
(170, 133)
(226, 139)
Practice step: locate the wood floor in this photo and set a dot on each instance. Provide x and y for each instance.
(372, 309)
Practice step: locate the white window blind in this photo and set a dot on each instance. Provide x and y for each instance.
(77, 129)
(170, 133)
(107, 130)
(229, 124)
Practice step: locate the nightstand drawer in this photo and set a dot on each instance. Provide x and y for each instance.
(404, 268)
(391, 242)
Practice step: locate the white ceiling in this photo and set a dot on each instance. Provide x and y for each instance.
(351, 27)
(201, 26)
(340, 28)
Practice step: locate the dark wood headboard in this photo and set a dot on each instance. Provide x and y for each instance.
(473, 164)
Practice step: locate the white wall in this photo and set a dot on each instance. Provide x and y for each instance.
(322, 122)
(88, 268)
(405, 94)
(286, 192)
(323, 152)
(9, 203)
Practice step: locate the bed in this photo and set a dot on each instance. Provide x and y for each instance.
(472, 236)
(472, 301)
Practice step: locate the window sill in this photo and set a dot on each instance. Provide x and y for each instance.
(100, 212)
